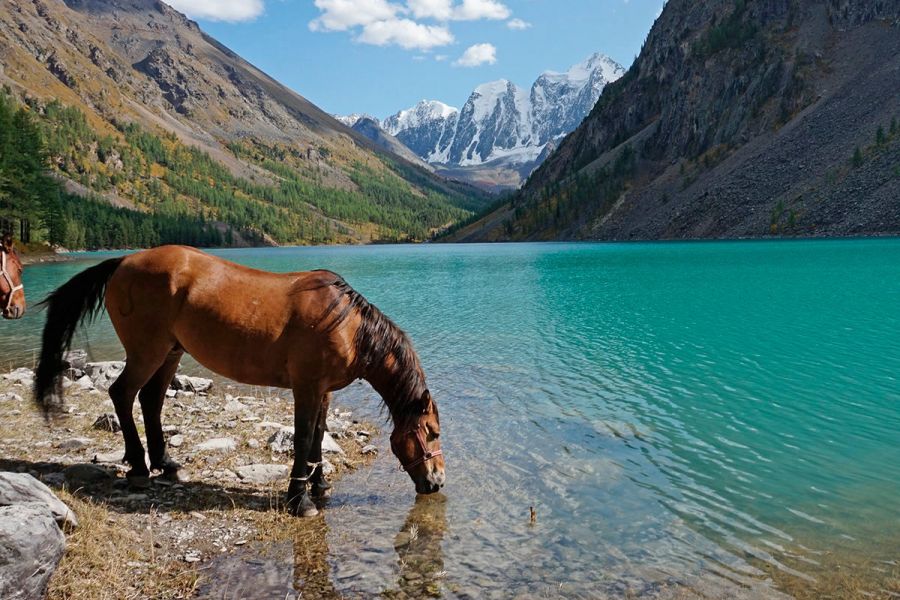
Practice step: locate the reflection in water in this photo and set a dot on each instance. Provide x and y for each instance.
(419, 554)
(285, 570)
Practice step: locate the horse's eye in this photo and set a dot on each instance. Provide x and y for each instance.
(435, 435)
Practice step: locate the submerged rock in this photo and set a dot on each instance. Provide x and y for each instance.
(31, 546)
(20, 488)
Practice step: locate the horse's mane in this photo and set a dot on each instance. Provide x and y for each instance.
(376, 338)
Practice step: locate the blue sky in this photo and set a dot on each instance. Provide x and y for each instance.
(380, 56)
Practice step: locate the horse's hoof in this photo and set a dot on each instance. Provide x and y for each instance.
(304, 508)
(138, 482)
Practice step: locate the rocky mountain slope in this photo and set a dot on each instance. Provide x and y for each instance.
(254, 156)
(738, 119)
(503, 131)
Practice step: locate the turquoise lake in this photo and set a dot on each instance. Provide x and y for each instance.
(720, 418)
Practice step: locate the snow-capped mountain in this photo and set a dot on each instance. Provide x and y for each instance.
(501, 121)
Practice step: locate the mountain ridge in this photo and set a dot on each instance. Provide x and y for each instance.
(502, 126)
(736, 120)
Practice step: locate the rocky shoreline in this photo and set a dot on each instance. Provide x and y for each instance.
(236, 451)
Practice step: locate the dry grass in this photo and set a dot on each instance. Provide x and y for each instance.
(135, 545)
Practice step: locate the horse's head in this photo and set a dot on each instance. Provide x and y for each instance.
(416, 443)
(12, 292)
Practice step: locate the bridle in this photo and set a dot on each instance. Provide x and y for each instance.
(13, 288)
(426, 453)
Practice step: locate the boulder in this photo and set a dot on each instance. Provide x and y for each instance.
(31, 546)
(261, 474)
(19, 488)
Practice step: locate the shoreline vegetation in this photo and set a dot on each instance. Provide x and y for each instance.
(156, 543)
(67, 182)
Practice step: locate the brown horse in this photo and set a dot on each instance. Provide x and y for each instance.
(309, 332)
(12, 292)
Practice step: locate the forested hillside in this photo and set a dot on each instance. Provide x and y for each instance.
(139, 124)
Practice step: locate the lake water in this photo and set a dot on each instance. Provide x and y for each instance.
(716, 419)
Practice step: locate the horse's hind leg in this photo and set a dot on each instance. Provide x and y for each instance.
(139, 368)
(152, 396)
(320, 487)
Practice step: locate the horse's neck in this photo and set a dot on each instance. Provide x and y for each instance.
(387, 379)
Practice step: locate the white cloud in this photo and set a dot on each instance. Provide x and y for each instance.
(442, 10)
(479, 54)
(341, 15)
(384, 23)
(406, 34)
(518, 24)
(441, 57)
(219, 10)
(473, 10)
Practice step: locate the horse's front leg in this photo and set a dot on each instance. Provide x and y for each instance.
(307, 400)
(320, 486)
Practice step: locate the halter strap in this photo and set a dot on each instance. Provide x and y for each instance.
(426, 453)
(13, 288)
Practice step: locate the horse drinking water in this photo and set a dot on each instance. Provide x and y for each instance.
(309, 332)
(12, 292)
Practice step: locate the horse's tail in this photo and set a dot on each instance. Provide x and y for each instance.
(75, 302)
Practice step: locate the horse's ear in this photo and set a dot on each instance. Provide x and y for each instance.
(426, 402)
(7, 242)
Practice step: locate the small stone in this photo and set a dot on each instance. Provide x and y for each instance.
(75, 443)
(369, 449)
(218, 445)
(108, 422)
(252, 443)
(170, 393)
(330, 446)
(84, 383)
(282, 441)
(75, 359)
(235, 406)
(191, 558)
(192, 384)
(171, 429)
(113, 458)
(176, 440)
(10, 397)
(21, 376)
